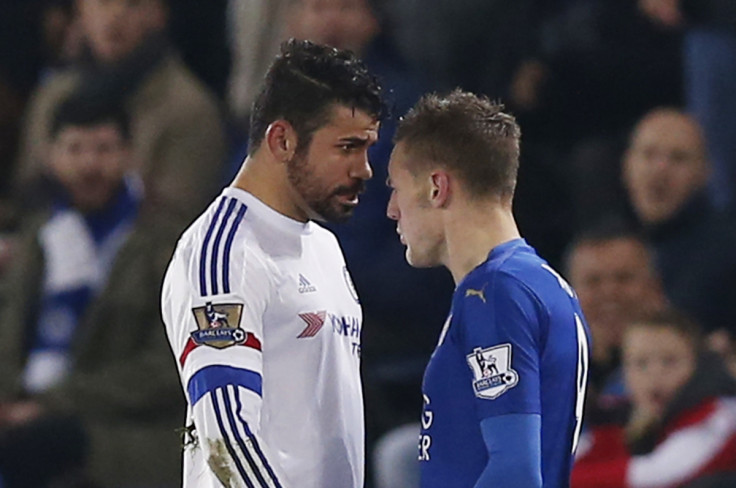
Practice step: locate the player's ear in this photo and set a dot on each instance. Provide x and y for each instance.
(281, 140)
(439, 188)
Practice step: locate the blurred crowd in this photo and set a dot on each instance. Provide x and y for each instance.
(121, 119)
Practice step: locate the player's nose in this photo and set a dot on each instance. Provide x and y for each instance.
(361, 169)
(392, 210)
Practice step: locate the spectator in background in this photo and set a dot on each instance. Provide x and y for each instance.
(178, 134)
(19, 63)
(61, 35)
(255, 32)
(198, 30)
(352, 24)
(86, 367)
(709, 51)
(34, 40)
(599, 66)
(666, 171)
(487, 46)
(613, 273)
(476, 44)
(681, 426)
(11, 111)
(605, 64)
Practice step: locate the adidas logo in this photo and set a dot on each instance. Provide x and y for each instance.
(305, 286)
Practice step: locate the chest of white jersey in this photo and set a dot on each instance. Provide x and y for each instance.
(265, 325)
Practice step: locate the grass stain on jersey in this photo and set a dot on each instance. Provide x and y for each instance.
(219, 462)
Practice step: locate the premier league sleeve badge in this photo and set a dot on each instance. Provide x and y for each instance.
(219, 325)
(492, 373)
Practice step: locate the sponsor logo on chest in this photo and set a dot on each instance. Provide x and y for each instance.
(347, 327)
(341, 325)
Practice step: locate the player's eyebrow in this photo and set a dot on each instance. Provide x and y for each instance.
(356, 140)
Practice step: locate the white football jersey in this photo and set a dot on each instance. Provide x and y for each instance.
(265, 324)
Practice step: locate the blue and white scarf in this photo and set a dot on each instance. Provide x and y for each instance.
(79, 251)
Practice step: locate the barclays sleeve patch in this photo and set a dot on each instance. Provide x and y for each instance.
(218, 325)
(492, 373)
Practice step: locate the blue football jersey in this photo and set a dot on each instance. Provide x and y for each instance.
(515, 342)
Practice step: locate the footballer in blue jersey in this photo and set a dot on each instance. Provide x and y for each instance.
(503, 391)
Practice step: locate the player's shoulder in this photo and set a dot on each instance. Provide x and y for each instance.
(512, 271)
(324, 235)
(221, 221)
(507, 264)
(222, 235)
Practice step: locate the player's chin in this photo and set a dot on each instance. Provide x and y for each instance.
(416, 261)
(338, 212)
(91, 199)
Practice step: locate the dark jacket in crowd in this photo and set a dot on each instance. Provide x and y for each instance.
(695, 253)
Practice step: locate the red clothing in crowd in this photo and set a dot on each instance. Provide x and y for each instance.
(700, 441)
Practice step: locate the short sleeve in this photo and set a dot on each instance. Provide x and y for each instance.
(227, 320)
(500, 321)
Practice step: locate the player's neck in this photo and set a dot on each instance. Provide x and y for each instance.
(265, 181)
(471, 237)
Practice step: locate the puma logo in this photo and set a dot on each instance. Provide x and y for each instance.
(470, 292)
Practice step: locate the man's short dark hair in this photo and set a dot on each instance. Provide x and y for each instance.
(673, 319)
(303, 84)
(467, 134)
(82, 111)
(606, 229)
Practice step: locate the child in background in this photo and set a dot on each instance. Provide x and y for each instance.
(681, 426)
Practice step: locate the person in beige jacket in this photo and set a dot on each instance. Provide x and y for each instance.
(176, 122)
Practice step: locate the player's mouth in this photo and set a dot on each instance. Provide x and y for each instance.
(349, 195)
(658, 192)
(350, 199)
(401, 236)
(658, 399)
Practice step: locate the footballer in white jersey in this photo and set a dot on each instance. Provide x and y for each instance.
(259, 307)
(265, 324)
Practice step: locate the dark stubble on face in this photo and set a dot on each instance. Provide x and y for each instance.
(322, 201)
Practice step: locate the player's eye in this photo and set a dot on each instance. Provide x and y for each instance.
(670, 361)
(74, 148)
(639, 364)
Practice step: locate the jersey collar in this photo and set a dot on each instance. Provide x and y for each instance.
(268, 214)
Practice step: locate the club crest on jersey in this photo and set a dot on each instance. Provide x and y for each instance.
(349, 283)
(492, 373)
(219, 325)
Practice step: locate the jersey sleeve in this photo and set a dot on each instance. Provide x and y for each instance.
(221, 362)
(500, 336)
(514, 451)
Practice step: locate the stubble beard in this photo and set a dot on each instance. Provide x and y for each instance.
(322, 203)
